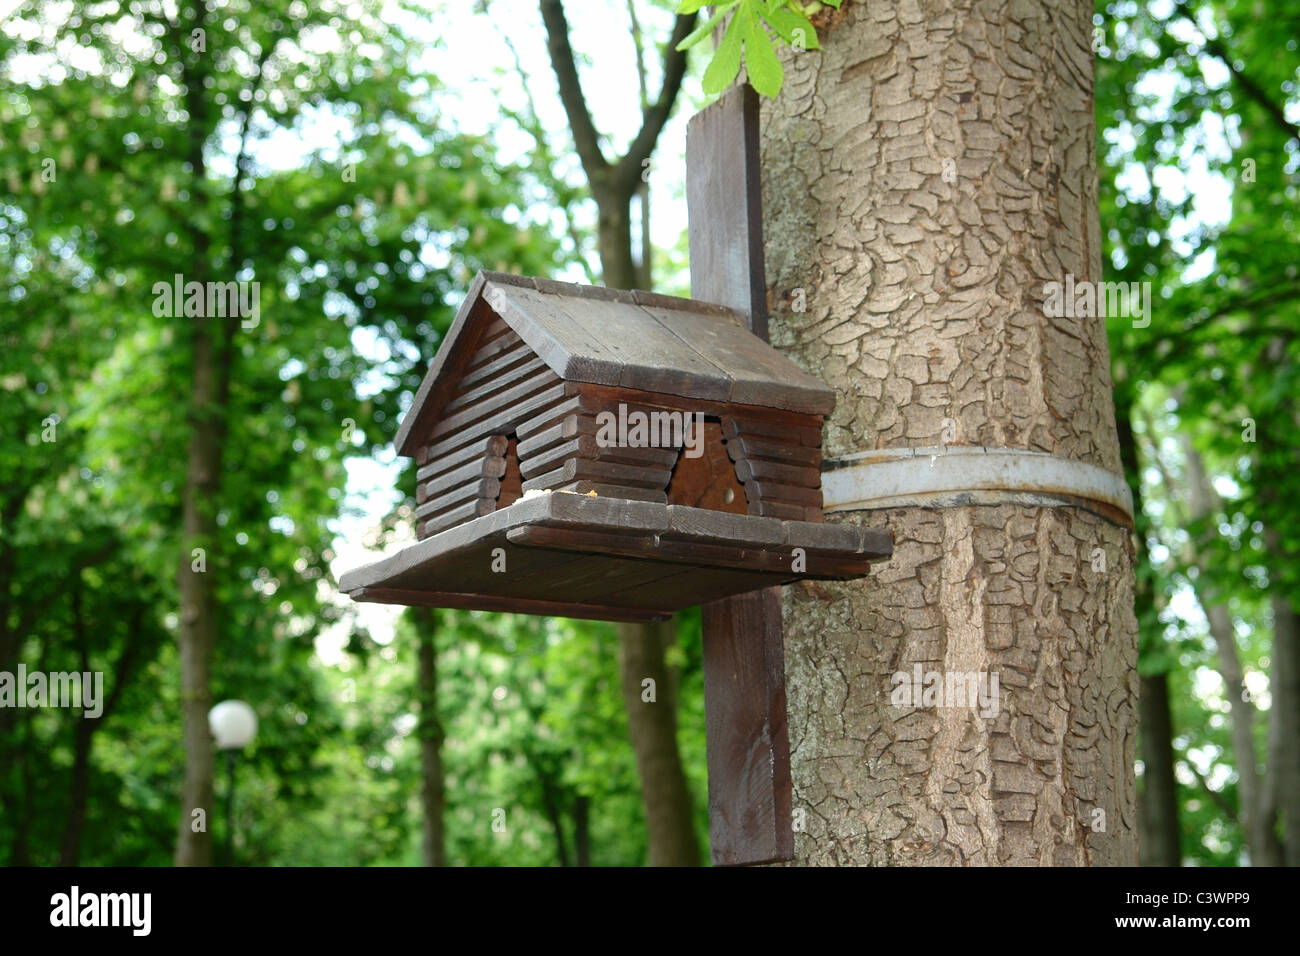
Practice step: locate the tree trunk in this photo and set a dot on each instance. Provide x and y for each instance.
(582, 830)
(924, 177)
(653, 729)
(1253, 789)
(1159, 838)
(434, 843)
(1284, 763)
(1158, 802)
(211, 362)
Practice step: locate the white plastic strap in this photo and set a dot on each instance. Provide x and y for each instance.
(962, 474)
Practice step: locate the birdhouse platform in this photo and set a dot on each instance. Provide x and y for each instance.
(574, 555)
(610, 454)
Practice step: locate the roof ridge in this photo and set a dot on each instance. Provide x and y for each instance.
(602, 293)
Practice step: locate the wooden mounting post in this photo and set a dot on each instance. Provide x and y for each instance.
(747, 737)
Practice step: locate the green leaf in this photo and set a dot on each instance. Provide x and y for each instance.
(687, 7)
(722, 70)
(700, 32)
(788, 22)
(765, 73)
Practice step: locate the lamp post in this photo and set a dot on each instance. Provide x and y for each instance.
(233, 725)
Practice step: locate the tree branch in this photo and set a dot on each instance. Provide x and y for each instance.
(1219, 800)
(1252, 89)
(654, 118)
(533, 125)
(585, 137)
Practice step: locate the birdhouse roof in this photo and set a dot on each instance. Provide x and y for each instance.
(636, 340)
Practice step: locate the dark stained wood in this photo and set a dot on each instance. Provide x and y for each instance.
(543, 322)
(663, 364)
(502, 422)
(444, 371)
(704, 482)
(483, 602)
(503, 402)
(572, 425)
(793, 494)
(603, 490)
(586, 446)
(487, 488)
(724, 203)
(777, 561)
(790, 454)
(573, 402)
(614, 473)
(777, 509)
(747, 742)
(485, 392)
(508, 356)
(807, 432)
(800, 476)
(487, 466)
(493, 446)
(604, 398)
(511, 481)
(447, 519)
(746, 735)
(553, 539)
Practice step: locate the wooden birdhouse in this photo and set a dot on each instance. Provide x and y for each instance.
(617, 455)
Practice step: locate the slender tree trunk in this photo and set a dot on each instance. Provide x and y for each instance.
(612, 185)
(1284, 764)
(1253, 788)
(83, 737)
(653, 728)
(1158, 801)
(432, 794)
(551, 805)
(1159, 839)
(582, 830)
(1275, 455)
(925, 176)
(211, 363)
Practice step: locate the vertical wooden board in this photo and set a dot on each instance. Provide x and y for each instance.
(725, 206)
(747, 739)
(746, 736)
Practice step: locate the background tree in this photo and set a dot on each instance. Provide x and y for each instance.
(613, 184)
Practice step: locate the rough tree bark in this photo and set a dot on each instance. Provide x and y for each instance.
(670, 831)
(924, 297)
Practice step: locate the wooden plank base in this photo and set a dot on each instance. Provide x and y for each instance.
(611, 558)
